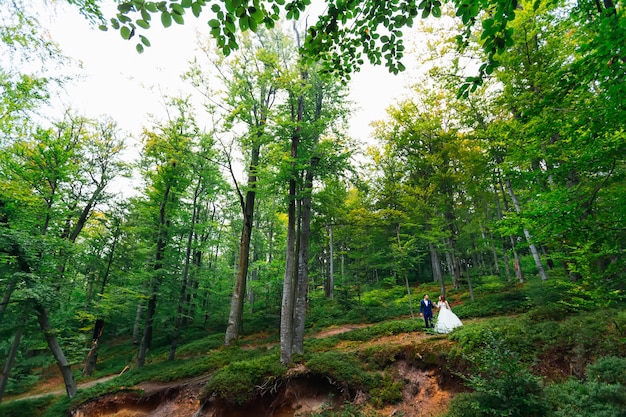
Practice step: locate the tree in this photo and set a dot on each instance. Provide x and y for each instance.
(52, 183)
(345, 34)
(252, 80)
(166, 168)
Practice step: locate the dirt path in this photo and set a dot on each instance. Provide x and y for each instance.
(52, 388)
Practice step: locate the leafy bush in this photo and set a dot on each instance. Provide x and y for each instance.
(508, 302)
(586, 399)
(608, 370)
(385, 390)
(342, 367)
(30, 407)
(236, 383)
(388, 328)
(502, 385)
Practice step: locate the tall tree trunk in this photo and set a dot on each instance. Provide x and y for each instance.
(406, 279)
(330, 286)
(6, 297)
(57, 352)
(436, 268)
(517, 268)
(146, 338)
(137, 325)
(92, 356)
(287, 305)
(8, 366)
(531, 245)
(254, 275)
(185, 274)
(469, 279)
(286, 308)
(453, 264)
(239, 294)
(162, 233)
(505, 259)
(302, 282)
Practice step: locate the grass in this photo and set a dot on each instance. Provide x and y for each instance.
(538, 322)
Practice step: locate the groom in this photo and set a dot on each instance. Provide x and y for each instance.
(426, 311)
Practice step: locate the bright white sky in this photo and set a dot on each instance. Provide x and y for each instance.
(127, 86)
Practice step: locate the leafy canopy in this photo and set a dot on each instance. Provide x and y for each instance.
(346, 33)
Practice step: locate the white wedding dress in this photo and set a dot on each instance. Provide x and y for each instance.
(446, 320)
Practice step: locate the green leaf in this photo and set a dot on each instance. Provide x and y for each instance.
(103, 28)
(143, 24)
(125, 32)
(196, 9)
(214, 23)
(243, 23)
(253, 25)
(124, 7)
(139, 48)
(178, 18)
(177, 9)
(436, 12)
(144, 40)
(166, 19)
(186, 3)
(256, 14)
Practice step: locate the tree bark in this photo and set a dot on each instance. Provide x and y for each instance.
(330, 287)
(533, 249)
(239, 294)
(185, 274)
(287, 305)
(92, 356)
(517, 268)
(406, 279)
(146, 339)
(57, 352)
(302, 282)
(286, 309)
(8, 366)
(436, 268)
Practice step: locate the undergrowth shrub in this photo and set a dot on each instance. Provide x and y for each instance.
(28, 407)
(502, 384)
(388, 328)
(608, 370)
(385, 390)
(499, 303)
(342, 367)
(236, 383)
(586, 399)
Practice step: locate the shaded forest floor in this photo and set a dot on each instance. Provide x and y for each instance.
(368, 360)
(424, 392)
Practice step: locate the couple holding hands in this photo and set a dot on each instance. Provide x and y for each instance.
(446, 320)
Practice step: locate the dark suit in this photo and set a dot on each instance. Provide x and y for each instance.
(426, 309)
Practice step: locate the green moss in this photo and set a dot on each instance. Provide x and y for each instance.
(341, 367)
(236, 382)
(385, 390)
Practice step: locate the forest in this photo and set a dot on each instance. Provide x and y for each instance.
(267, 263)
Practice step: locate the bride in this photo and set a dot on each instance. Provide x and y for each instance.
(446, 320)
